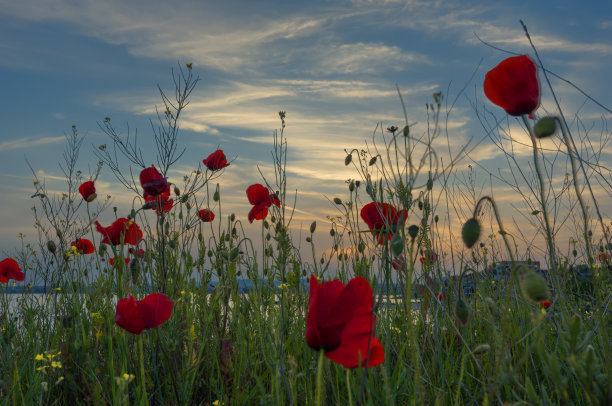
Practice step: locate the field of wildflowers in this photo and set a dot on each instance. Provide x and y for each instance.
(128, 317)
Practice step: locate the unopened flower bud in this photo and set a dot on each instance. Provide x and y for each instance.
(462, 312)
(348, 159)
(91, 197)
(534, 287)
(337, 200)
(373, 160)
(397, 244)
(413, 231)
(545, 127)
(217, 195)
(481, 349)
(313, 227)
(177, 191)
(351, 186)
(470, 233)
(51, 246)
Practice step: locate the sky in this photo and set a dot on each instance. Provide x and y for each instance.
(333, 66)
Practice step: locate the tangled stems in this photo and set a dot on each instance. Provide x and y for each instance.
(536, 162)
(499, 223)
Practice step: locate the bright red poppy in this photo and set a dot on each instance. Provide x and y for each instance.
(122, 227)
(260, 197)
(382, 219)
(137, 315)
(604, 258)
(545, 304)
(513, 85)
(9, 269)
(216, 160)
(339, 321)
(206, 215)
(114, 259)
(153, 183)
(83, 246)
(161, 201)
(88, 191)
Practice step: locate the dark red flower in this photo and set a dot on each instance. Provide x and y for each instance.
(399, 263)
(84, 246)
(382, 219)
(513, 85)
(216, 160)
(114, 259)
(206, 215)
(261, 199)
(88, 191)
(163, 200)
(545, 304)
(440, 296)
(122, 227)
(339, 321)
(138, 254)
(9, 269)
(604, 258)
(153, 183)
(137, 315)
(428, 258)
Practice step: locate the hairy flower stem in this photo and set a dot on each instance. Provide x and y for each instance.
(319, 383)
(585, 217)
(536, 162)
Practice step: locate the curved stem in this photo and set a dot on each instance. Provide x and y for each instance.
(499, 223)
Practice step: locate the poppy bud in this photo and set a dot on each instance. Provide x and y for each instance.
(188, 206)
(135, 269)
(91, 197)
(436, 218)
(413, 231)
(148, 205)
(462, 312)
(184, 199)
(348, 159)
(373, 160)
(470, 233)
(200, 237)
(361, 246)
(351, 186)
(397, 244)
(268, 237)
(177, 191)
(575, 253)
(534, 287)
(102, 249)
(406, 131)
(332, 232)
(545, 127)
(492, 306)
(273, 219)
(429, 184)
(481, 349)
(51, 246)
(234, 254)
(308, 239)
(337, 200)
(233, 217)
(217, 195)
(420, 204)
(313, 227)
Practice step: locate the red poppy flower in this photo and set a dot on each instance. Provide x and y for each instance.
(545, 304)
(261, 199)
(114, 259)
(9, 269)
(339, 320)
(88, 191)
(206, 215)
(122, 227)
(440, 296)
(399, 263)
(153, 183)
(84, 246)
(216, 160)
(162, 200)
(513, 85)
(382, 220)
(604, 258)
(138, 254)
(137, 315)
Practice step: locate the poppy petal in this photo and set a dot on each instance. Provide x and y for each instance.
(155, 309)
(128, 316)
(257, 193)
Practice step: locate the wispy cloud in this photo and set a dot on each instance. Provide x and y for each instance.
(29, 142)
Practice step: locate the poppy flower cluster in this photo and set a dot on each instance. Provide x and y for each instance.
(259, 196)
(156, 190)
(9, 269)
(138, 315)
(604, 258)
(383, 219)
(339, 321)
(206, 215)
(513, 85)
(88, 191)
(216, 161)
(122, 227)
(545, 304)
(428, 258)
(83, 246)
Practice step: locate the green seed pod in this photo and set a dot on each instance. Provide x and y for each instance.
(545, 127)
(534, 287)
(462, 312)
(413, 231)
(348, 159)
(470, 233)
(397, 244)
(337, 200)
(313, 227)
(51, 246)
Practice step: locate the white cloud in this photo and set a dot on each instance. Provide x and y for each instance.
(29, 142)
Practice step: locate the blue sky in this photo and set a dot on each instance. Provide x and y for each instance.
(331, 65)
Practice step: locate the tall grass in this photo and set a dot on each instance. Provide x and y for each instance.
(239, 348)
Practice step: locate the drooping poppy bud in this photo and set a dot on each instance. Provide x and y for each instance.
(462, 312)
(313, 227)
(534, 287)
(470, 233)
(545, 127)
(348, 159)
